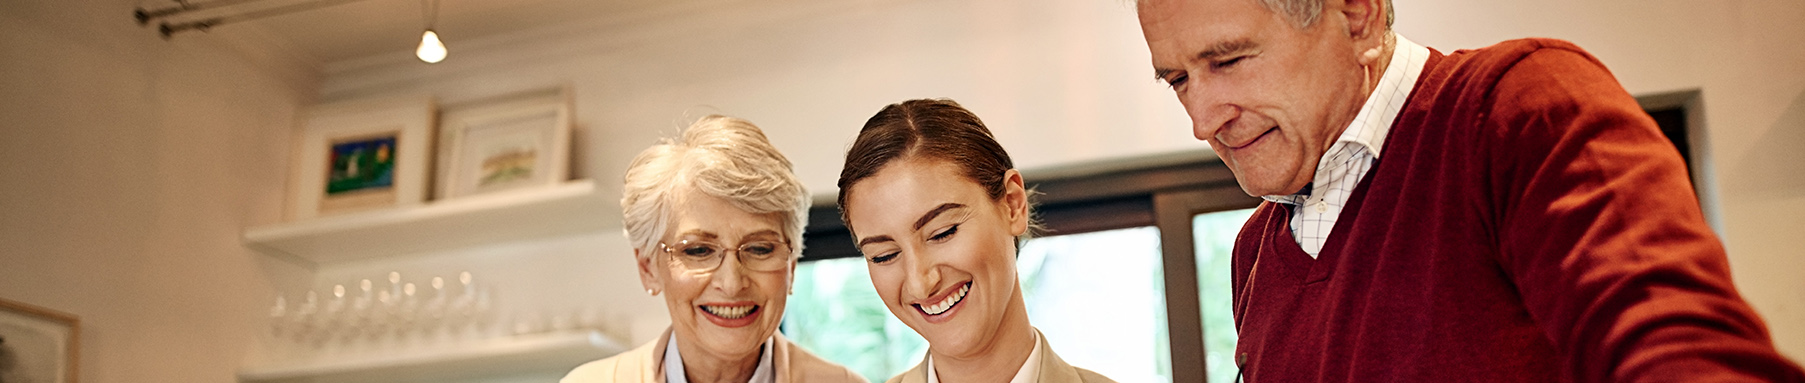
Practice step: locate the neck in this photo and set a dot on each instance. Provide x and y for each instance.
(704, 367)
(1377, 70)
(1001, 358)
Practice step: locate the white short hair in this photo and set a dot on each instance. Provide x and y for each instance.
(723, 157)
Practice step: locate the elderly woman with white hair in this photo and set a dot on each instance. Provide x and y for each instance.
(715, 220)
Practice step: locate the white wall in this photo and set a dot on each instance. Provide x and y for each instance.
(1067, 82)
(131, 165)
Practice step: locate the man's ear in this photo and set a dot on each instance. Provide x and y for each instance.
(1015, 201)
(647, 278)
(1366, 27)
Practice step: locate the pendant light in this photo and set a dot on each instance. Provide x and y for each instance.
(431, 49)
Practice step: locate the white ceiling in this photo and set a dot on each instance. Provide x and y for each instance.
(365, 28)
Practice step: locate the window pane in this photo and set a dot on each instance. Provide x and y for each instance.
(836, 314)
(1099, 298)
(1214, 234)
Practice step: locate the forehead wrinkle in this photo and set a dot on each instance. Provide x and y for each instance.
(1226, 48)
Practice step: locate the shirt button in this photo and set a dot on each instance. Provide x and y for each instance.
(1322, 207)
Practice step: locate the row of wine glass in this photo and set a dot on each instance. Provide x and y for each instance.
(398, 309)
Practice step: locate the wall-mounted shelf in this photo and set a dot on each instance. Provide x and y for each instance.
(571, 208)
(512, 355)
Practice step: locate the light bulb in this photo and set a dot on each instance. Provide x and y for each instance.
(431, 49)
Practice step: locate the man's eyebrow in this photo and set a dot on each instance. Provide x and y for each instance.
(1226, 48)
(923, 221)
(1213, 53)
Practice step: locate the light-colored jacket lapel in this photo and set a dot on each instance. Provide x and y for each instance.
(1052, 369)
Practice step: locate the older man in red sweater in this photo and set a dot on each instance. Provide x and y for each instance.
(1506, 214)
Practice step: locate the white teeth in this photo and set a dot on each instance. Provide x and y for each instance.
(731, 312)
(940, 308)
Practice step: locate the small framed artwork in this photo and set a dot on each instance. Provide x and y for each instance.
(38, 344)
(362, 155)
(510, 142)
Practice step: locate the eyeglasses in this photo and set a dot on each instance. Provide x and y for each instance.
(707, 256)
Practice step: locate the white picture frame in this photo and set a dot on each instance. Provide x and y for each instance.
(337, 139)
(515, 141)
(39, 344)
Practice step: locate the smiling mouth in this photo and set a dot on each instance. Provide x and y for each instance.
(730, 312)
(1255, 139)
(946, 304)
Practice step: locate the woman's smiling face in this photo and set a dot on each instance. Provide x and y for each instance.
(941, 251)
(730, 310)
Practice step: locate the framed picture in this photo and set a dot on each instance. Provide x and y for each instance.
(362, 155)
(510, 142)
(37, 344)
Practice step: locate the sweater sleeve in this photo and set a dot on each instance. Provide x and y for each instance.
(1603, 235)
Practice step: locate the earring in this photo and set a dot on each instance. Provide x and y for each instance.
(652, 292)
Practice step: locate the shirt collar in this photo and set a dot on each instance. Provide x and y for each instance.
(1029, 373)
(673, 364)
(1372, 124)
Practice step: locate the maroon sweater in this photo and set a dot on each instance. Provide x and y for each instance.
(1527, 223)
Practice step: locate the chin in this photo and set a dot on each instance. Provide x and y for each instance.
(734, 339)
(1258, 189)
(1264, 182)
(957, 339)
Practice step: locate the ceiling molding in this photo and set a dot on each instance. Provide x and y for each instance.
(273, 53)
(600, 34)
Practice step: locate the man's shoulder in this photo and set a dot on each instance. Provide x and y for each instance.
(1518, 79)
(1507, 54)
(1480, 70)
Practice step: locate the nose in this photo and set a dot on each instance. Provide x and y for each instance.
(924, 275)
(1209, 111)
(729, 277)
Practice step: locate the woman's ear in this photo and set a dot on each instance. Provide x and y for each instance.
(1015, 202)
(792, 279)
(647, 277)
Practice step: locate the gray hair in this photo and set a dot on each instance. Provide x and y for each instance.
(723, 157)
(1306, 12)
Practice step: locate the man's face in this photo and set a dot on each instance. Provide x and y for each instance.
(1269, 96)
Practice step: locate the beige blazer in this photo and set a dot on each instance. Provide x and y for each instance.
(645, 364)
(1052, 369)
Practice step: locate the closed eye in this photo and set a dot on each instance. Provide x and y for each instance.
(882, 259)
(1225, 64)
(943, 235)
(1176, 80)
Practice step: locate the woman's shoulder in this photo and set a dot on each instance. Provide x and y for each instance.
(1088, 376)
(626, 367)
(1055, 369)
(917, 374)
(805, 366)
